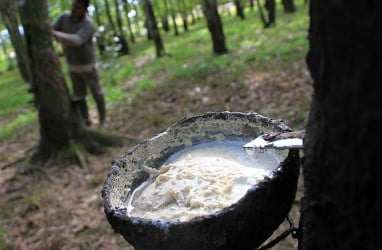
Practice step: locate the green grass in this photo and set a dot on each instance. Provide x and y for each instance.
(3, 236)
(190, 60)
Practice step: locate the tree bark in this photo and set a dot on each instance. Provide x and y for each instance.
(8, 10)
(100, 36)
(153, 28)
(51, 93)
(342, 170)
(183, 10)
(251, 4)
(125, 50)
(173, 17)
(126, 9)
(215, 26)
(239, 9)
(270, 6)
(110, 20)
(165, 22)
(289, 6)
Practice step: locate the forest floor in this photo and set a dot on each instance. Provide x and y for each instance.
(60, 206)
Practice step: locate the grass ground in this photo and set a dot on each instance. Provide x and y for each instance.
(59, 207)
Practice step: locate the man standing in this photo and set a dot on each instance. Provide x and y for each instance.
(74, 30)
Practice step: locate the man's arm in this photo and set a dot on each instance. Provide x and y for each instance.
(80, 37)
(67, 39)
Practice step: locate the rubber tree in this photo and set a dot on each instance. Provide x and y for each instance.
(270, 6)
(342, 171)
(100, 36)
(239, 9)
(9, 13)
(215, 26)
(289, 6)
(153, 28)
(162, 11)
(61, 125)
(183, 12)
(173, 16)
(116, 30)
(125, 49)
(126, 9)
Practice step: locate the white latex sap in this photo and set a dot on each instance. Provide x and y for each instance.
(201, 180)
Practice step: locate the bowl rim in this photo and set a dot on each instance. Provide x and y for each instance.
(121, 213)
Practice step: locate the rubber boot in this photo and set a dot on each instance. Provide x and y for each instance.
(84, 111)
(101, 111)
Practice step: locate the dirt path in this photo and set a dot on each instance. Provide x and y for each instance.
(60, 207)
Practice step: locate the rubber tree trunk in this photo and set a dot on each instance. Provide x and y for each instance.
(110, 21)
(270, 6)
(58, 122)
(183, 10)
(173, 17)
(153, 28)
(8, 10)
(239, 9)
(164, 18)
(129, 24)
(289, 6)
(100, 36)
(342, 169)
(215, 26)
(251, 4)
(124, 50)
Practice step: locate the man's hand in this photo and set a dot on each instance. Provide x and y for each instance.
(54, 34)
(67, 39)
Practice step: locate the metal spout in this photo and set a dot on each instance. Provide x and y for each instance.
(286, 140)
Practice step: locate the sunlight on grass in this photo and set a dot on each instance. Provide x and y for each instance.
(145, 84)
(13, 92)
(20, 121)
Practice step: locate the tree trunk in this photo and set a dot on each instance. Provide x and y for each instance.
(183, 8)
(8, 10)
(270, 6)
(342, 170)
(124, 50)
(185, 22)
(193, 18)
(239, 9)
(110, 19)
(289, 6)
(165, 22)
(126, 9)
(56, 118)
(215, 26)
(60, 123)
(100, 37)
(251, 4)
(153, 28)
(173, 17)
